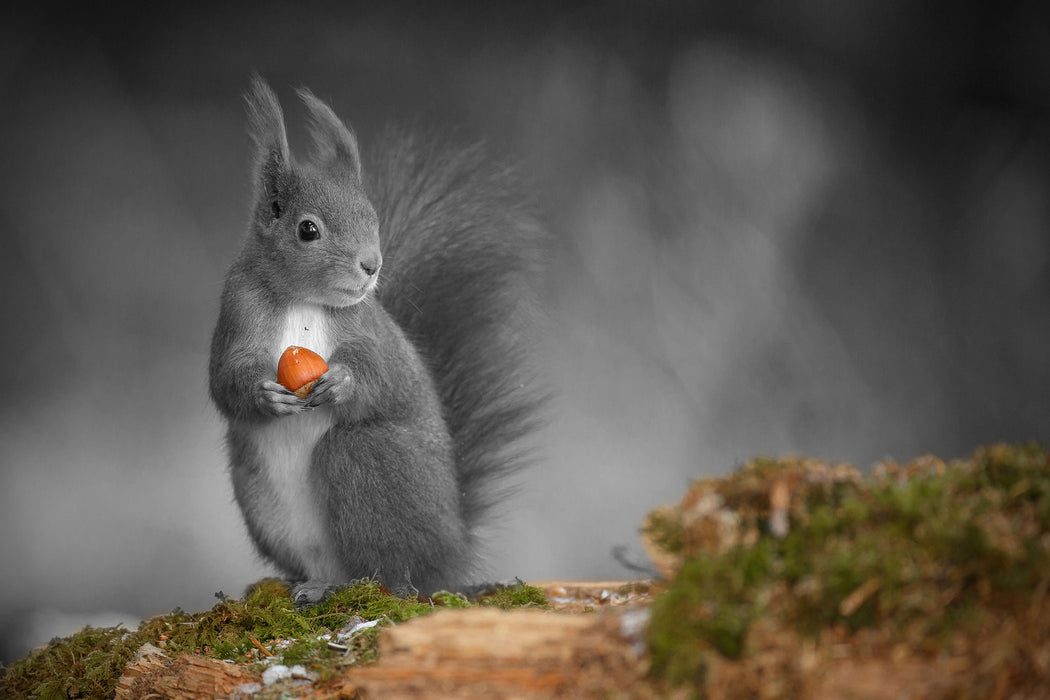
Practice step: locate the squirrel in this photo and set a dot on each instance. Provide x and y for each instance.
(414, 275)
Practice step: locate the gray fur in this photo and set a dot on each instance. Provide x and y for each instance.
(428, 394)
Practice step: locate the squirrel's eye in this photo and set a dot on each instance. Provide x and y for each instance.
(276, 207)
(308, 231)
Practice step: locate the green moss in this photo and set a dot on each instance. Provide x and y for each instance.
(89, 663)
(522, 596)
(710, 606)
(931, 542)
(665, 530)
(366, 599)
(84, 665)
(450, 600)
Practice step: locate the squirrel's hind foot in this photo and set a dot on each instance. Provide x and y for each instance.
(312, 592)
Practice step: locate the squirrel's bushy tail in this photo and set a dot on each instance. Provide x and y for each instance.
(462, 262)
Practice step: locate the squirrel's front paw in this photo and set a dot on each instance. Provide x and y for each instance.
(334, 386)
(274, 400)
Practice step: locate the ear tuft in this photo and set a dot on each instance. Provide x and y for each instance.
(334, 143)
(266, 120)
(266, 127)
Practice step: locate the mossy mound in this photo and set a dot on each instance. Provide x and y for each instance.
(266, 622)
(790, 573)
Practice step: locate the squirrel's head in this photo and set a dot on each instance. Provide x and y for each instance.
(313, 222)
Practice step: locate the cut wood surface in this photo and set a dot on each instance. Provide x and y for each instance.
(152, 674)
(486, 653)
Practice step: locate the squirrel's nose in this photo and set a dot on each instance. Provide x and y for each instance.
(371, 264)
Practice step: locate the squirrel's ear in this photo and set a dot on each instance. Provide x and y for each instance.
(334, 142)
(266, 126)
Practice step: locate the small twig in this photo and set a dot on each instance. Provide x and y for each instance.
(258, 645)
(855, 599)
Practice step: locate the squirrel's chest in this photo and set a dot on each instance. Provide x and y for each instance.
(285, 448)
(308, 326)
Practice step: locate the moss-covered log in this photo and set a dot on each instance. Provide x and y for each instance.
(795, 578)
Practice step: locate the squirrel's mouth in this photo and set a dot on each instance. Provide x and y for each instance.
(348, 296)
(344, 292)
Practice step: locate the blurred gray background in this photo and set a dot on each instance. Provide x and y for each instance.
(811, 227)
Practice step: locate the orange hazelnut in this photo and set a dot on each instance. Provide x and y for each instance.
(298, 370)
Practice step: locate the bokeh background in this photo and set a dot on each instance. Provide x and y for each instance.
(812, 227)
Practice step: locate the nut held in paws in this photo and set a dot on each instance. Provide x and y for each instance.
(298, 370)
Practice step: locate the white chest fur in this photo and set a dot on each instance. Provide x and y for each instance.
(308, 326)
(286, 445)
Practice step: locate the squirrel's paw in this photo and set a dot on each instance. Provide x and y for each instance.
(275, 400)
(334, 386)
(310, 592)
